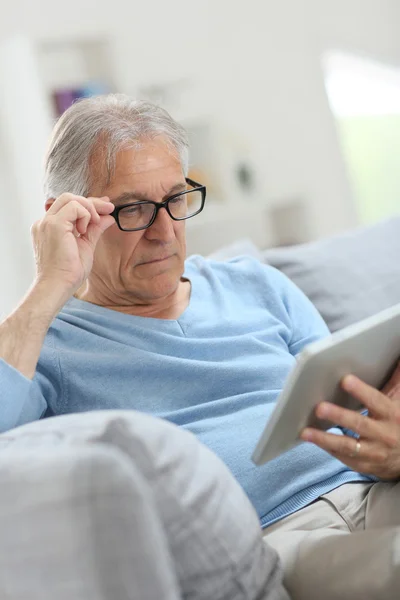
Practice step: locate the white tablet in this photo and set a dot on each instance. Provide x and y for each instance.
(369, 349)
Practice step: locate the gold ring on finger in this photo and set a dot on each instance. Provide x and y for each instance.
(357, 450)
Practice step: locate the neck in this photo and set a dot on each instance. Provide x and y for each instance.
(167, 307)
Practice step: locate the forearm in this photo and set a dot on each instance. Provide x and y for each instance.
(22, 334)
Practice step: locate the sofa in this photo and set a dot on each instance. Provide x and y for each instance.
(74, 501)
(348, 277)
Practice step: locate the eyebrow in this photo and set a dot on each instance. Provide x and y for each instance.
(134, 196)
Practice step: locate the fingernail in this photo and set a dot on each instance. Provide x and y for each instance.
(306, 435)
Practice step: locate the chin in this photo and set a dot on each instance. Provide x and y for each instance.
(157, 285)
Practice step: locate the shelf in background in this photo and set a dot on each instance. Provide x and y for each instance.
(74, 68)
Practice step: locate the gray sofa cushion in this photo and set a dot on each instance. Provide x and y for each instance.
(347, 277)
(243, 246)
(121, 505)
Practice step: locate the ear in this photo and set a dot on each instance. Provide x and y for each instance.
(48, 203)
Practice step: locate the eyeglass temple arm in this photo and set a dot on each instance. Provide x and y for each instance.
(193, 183)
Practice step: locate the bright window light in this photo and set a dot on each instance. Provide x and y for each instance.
(364, 96)
(358, 86)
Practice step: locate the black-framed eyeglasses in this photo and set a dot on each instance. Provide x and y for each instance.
(140, 215)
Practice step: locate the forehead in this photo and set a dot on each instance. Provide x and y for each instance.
(153, 162)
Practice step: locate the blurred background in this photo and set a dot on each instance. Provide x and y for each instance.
(293, 108)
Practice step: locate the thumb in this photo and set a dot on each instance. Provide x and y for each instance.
(95, 230)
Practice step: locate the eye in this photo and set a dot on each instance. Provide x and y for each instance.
(177, 200)
(132, 210)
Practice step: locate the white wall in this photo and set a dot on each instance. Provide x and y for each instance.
(16, 263)
(254, 66)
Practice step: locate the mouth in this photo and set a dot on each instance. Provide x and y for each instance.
(157, 260)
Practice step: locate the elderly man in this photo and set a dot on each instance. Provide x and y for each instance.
(116, 318)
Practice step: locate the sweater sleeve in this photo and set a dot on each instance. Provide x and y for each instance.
(282, 297)
(23, 400)
(305, 323)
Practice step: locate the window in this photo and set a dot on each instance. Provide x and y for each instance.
(365, 99)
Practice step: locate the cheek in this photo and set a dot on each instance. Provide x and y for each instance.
(114, 244)
(180, 233)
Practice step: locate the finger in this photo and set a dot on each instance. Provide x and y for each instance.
(82, 223)
(91, 208)
(377, 403)
(95, 206)
(103, 205)
(392, 387)
(62, 201)
(345, 447)
(76, 215)
(94, 231)
(68, 198)
(385, 432)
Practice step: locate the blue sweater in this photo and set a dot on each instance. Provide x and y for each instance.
(217, 371)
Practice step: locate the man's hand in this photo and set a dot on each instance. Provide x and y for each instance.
(65, 240)
(377, 450)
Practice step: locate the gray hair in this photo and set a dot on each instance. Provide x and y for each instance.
(110, 123)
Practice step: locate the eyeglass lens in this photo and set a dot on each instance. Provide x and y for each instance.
(181, 207)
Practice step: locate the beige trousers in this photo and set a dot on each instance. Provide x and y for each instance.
(345, 545)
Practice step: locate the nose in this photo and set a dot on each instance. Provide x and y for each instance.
(162, 229)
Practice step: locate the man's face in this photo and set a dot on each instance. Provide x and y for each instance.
(145, 265)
